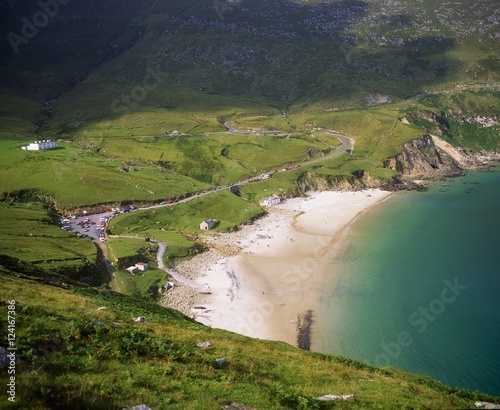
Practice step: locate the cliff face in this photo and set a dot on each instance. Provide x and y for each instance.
(429, 157)
(426, 158)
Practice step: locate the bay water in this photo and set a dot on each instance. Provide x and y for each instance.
(415, 284)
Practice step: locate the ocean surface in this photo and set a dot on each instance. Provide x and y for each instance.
(416, 285)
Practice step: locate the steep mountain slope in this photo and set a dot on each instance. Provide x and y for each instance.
(276, 53)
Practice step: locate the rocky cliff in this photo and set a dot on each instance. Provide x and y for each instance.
(430, 157)
(426, 158)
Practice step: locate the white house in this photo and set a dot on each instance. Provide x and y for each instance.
(40, 145)
(207, 224)
(142, 266)
(271, 200)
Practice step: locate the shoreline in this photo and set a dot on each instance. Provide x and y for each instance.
(264, 280)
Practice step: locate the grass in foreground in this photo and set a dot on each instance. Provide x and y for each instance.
(72, 355)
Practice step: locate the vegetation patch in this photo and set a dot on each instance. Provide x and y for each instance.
(34, 245)
(81, 349)
(230, 210)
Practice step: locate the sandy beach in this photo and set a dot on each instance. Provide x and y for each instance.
(264, 280)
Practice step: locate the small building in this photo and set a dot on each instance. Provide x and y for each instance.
(271, 200)
(40, 145)
(132, 269)
(142, 266)
(207, 224)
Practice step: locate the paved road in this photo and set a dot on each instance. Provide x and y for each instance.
(346, 143)
(162, 247)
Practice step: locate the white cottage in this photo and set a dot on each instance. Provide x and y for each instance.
(40, 145)
(142, 266)
(207, 224)
(271, 200)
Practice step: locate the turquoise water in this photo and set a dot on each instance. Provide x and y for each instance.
(416, 285)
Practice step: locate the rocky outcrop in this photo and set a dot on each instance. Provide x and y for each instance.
(429, 157)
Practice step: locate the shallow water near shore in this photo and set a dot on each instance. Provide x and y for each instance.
(415, 285)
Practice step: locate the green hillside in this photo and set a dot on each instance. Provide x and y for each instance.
(81, 349)
(115, 80)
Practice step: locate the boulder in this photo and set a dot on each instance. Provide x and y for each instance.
(236, 406)
(204, 345)
(139, 407)
(140, 319)
(487, 405)
(334, 397)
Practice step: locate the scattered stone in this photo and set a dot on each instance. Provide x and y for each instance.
(199, 307)
(101, 308)
(333, 397)
(220, 362)
(139, 407)
(98, 323)
(204, 345)
(140, 319)
(487, 405)
(237, 406)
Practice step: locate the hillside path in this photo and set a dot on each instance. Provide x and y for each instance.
(162, 247)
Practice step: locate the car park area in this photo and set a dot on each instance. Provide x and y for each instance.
(89, 226)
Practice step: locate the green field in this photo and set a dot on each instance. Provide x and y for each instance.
(143, 285)
(31, 243)
(77, 176)
(224, 206)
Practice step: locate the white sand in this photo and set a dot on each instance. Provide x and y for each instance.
(277, 269)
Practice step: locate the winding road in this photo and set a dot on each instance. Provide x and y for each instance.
(162, 246)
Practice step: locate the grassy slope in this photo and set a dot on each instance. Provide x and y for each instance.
(229, 209)
(31, 243)
(75, 175)
(69, 362)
